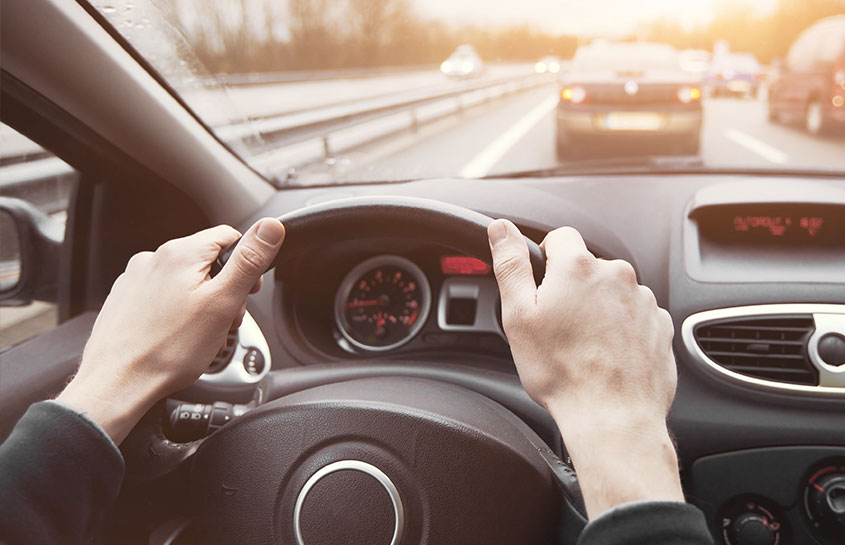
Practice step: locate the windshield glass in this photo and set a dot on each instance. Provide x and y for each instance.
(336, 91)
(626, 57)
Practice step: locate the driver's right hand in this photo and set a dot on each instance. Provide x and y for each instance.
(591, 345)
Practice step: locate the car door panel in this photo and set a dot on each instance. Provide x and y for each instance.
(39, 368)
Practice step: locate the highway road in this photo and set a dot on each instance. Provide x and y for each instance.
(505, 135)
(224, 106)
(518, 133)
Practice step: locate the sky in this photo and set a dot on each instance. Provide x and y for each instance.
(588, 17)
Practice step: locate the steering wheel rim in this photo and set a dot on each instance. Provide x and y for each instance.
(456, 227)
(353, 218)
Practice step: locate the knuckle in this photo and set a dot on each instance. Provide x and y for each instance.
(167, 251)
(624, 271)
(567, 231)
(138, 260)
(648, 295)
(507, 265)
(249, 260)
(584, 263)
(227, 233)
(666, 321)
(560, 235)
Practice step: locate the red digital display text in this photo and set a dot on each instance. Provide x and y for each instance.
(778, 226)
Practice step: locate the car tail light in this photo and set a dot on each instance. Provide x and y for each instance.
(688, 94)
(574, 94)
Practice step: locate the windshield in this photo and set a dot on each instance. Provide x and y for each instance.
(336, 91)
(626, 58)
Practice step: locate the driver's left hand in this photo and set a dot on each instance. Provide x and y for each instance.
(164, 320)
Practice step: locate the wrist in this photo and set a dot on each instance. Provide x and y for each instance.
(620, 456)
(114, 404)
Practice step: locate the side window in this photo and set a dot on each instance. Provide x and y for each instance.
(801, 56)
(830, 47)
(792, 59)
(29, 175)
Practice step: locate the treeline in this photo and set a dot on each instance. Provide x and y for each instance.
(768, 37)
(238, 36)
(266, 35)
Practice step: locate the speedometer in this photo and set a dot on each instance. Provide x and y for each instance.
(382, 303)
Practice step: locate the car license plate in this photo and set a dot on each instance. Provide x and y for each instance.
(739, 86)
(633, 121)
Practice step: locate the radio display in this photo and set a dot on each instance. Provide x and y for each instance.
(783, 224)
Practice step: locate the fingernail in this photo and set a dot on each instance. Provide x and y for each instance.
(270, 231)
(498, 231)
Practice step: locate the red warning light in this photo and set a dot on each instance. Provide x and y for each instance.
(463, 265)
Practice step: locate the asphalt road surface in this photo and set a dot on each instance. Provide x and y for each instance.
(518, 133)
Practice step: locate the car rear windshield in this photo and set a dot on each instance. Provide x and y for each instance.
(627, 58)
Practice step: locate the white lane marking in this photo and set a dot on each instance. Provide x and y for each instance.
(493, 153)
(760, 148)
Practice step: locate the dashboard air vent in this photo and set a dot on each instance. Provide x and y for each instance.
(764, 347)
(224, 356)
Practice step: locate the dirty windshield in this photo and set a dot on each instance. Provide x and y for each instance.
(334, 91)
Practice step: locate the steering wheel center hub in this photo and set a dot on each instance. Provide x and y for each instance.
(349, 501)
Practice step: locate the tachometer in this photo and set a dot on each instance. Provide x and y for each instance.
(382, 303)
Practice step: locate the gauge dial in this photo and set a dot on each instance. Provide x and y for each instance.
(382, 303)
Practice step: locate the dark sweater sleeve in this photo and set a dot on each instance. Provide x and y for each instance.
(648, 523)
(59, 472)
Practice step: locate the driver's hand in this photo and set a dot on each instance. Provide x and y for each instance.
(165, 319)
(593, 347)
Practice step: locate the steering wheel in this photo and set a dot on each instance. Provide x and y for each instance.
(371, 452)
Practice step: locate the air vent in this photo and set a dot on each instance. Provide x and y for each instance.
(763, 347)
(224, 356)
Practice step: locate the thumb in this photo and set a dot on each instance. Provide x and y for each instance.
(253, 255)
(511, 265)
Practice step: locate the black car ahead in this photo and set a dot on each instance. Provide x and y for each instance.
(811, 86)
(620, 96)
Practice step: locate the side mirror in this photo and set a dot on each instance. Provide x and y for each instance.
(30, 245)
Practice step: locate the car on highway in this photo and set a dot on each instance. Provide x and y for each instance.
(465, 62)
(628, 94)
(695, 61)
(370, 389)
(734, 74)
(548, 64)
(810, 87)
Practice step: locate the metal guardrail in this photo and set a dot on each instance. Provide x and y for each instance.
(278, 132)
(295, 76)
(268, 78)
(299, 126)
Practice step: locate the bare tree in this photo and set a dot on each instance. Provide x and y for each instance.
(376, 25)
(313, 33)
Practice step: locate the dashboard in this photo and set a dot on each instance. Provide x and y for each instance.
(751, 268)
(386, 298)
